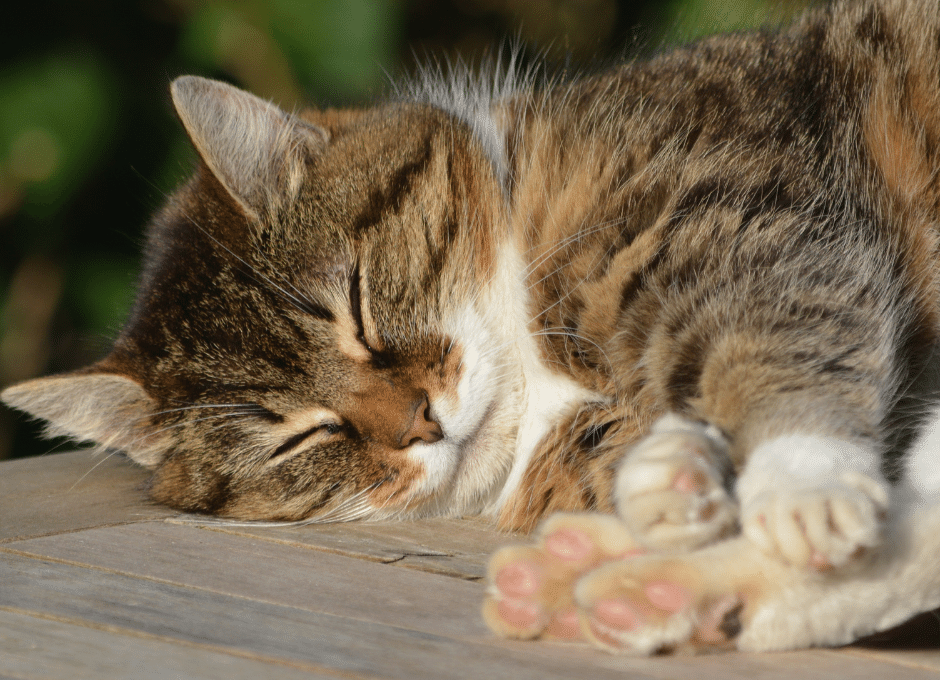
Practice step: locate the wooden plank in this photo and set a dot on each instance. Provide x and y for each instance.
(910, 658)
(54, 494)
(288, 634)
(276, 573)
(260, 573)
(32, 647)
(467, 544)
(69, 491)
(444, 546)
(340, 539)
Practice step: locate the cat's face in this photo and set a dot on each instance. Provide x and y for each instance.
(317, 331)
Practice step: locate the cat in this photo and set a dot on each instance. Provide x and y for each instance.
(700, 291)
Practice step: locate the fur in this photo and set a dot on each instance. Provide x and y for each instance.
(700, 290)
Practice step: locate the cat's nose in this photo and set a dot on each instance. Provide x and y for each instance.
(423, 427)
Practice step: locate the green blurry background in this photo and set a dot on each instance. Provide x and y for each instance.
(89, 147)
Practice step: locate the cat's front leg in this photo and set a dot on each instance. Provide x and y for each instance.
(728, 595)
(737, 594)
(813, 501)
(672, 487)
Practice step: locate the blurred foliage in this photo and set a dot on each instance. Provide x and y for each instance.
(89, 147)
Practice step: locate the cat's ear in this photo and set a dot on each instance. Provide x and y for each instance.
(254, 149)
(108, 409)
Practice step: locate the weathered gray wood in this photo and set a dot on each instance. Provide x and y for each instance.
(281, 574)
(910, 658)
(289, 634)
(467, 544)
(451, 547)
(69, 491)
(31, 647)
(324, 599)
(260, 573)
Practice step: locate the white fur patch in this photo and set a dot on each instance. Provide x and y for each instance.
(507, 400)
(901, 581)
(923, 465)
(803, 460)
(813, 501)
(461, 418)
(548, 397)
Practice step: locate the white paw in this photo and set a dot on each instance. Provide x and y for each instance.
(818, 526)
(670, 487)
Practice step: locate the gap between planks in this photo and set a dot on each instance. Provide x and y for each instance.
(364, 593)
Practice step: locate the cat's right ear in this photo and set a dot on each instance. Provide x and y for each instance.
(256, 150)
(108, 409)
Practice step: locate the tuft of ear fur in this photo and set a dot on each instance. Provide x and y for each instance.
(109, 409)
(254, 149)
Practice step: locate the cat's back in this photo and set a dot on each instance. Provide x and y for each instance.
(737, 152)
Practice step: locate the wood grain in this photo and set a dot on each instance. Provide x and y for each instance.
(97, 582)
(43, 648)
(269, 572)
(292, 635)
(69, 491)
(367, 596)
(440, 546)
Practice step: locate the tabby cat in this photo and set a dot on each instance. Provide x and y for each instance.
(700, 291)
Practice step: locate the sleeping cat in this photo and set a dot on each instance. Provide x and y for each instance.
(700, 291)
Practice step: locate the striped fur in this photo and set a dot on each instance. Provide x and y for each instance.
(481, 296)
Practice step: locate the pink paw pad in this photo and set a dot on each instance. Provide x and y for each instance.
(819, 562)
(690, 481)
(520, 614)
(520, 579)
(667, 596)
(617, 614)
(569, 545)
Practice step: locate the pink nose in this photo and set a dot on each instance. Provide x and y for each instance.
(423, 427)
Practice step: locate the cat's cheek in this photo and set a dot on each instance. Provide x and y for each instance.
(401, 477)
(438, 463)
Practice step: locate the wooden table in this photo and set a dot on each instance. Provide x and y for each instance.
(96, 582)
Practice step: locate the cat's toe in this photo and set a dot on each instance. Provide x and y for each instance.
(653, 604)
(671, 490)
(530, 591)
(821, 528)
(518, 604)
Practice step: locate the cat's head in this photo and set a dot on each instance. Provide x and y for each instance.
(321, 324)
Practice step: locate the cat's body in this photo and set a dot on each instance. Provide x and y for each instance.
(481, 299)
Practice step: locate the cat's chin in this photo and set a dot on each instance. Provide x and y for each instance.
(463, 472)
(459, 472)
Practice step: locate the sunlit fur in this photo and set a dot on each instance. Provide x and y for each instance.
(477, 297)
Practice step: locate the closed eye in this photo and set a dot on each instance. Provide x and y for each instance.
(355, 305)
(326, 430)
(380, 357)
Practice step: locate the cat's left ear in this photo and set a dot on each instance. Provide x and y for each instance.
(94, 404)
(256, 150)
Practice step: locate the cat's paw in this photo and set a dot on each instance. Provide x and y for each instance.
(671, 487)
(659, 603)
(531, 588)
(821, 527)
